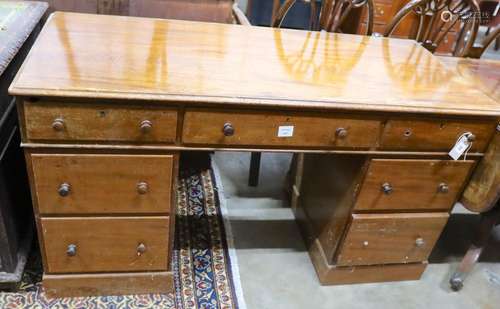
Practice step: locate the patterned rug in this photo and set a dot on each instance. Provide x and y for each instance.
(203, 275)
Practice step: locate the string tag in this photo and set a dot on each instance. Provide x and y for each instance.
(462, 146)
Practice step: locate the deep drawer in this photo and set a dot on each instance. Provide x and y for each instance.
(102, 183)
(273, 129)
(81, 245)
(390, 238)
(95, 123)
(392, 184)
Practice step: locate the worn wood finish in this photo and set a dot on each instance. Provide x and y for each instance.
(415, 184)
(329, 274)
(254, 128)
(78, 285)
(374, 239)
(432, 135)
(206, 55)
(106, 244)
(102, 183)
(99, 123)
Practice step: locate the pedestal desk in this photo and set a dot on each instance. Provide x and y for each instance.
(108, 103)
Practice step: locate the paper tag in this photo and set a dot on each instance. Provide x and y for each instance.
(460, 147)
(285, 131)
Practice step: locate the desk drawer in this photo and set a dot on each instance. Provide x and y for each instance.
(94, 123)
(76, 245)
(390, 238)
(412, 184)
(434, 135)
(273, 129)
(102, 183)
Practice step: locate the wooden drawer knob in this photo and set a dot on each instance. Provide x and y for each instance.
(228, 129)
(71, 251)
(419, 242)
(142, 187)
(58, 124)
(443, 188)
(387, 188)
(341, 132)
(471, 137)
(146, 126)
(64, 189)
(141, 248)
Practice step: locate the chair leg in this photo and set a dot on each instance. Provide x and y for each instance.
(488, 220)
(253, 175)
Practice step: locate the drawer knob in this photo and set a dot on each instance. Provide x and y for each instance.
(228, 129)
(71, 251)
(58, 124)
(141, 248)
(471, 137)
(64, 189)
(146, 126)
(142, 187)
(419, 242)
(443, 188)
(341, 132)
(365, 243)
(387, 188)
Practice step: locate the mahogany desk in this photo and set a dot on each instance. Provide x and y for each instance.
(107, 103)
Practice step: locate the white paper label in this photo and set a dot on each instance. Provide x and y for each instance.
(285, 131)
(460, 147)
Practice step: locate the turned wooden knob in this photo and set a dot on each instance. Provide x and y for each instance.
(443, 188)
(419, 242)
(341, 132)
(228, 129)
(64, 189)
(71, 251)
(58, 124)
(471, 137)
(141, 248)
(387, 188)
(146, 126)
(142, 187)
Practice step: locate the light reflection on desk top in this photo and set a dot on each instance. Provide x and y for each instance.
(113, 57)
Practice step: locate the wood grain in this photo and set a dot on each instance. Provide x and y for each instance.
(102, 183)
(415, 184)
(261, 128)
(390, 238)
(436, 134)
(99, 123)
(106, 244)
(179, 61)
(78, 285)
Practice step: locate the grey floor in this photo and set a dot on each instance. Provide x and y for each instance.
(276, 271)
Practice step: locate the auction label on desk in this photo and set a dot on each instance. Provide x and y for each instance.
(285, 131)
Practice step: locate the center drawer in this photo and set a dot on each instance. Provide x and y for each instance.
(245, 128)
(81, 245)
(392, 184)
(390, 238)
(102, 183)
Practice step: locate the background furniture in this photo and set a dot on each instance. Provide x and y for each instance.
(136, 122)
(20, 23)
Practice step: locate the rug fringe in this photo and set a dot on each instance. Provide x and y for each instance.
(229, 235)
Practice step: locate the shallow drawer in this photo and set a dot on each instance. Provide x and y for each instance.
(412, 184)
(105, 244)
(247, 129)
(390, 238)
(102, 184)
(94, 123)
(434, 135)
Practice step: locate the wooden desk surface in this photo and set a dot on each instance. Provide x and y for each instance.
(113, 57)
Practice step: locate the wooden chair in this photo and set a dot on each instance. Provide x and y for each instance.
(435, 20)
(478, 50)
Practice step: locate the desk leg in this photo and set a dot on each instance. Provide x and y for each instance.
(253, 175)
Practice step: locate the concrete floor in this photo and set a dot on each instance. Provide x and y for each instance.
(276, 272)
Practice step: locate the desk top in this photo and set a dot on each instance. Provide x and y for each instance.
(113, 57)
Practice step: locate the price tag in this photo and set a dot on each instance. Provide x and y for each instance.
(461, 146)
(285, 131)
